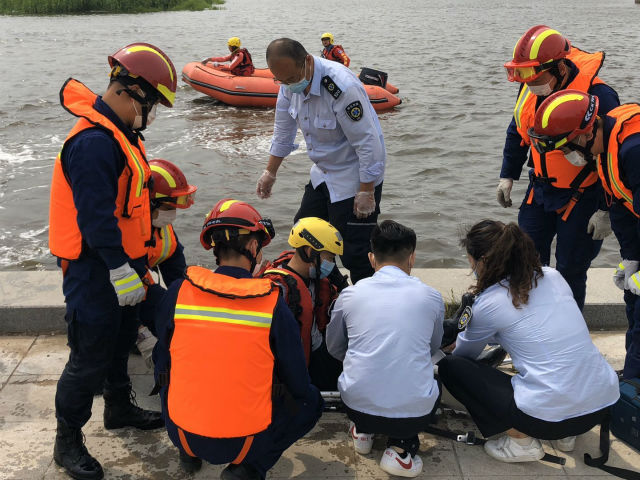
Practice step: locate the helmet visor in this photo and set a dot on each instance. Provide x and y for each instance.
(183, 201)
(546, 143)
(525, 74)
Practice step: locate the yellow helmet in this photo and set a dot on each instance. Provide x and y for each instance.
(318, 234)
(234, 42)
(327, 35)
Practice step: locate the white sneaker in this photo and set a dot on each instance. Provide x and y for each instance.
(567, 444)
(506, 449)
(362, 442)
(391, 462)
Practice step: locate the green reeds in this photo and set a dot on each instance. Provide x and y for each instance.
(61, 7)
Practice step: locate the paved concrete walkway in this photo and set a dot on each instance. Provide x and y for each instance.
(31, 365)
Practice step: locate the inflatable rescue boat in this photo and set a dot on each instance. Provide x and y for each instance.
(260, 89)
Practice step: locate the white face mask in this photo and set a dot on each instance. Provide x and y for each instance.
(541, 90)
(152, 114)
(164, 218)
(576, 158)
(137, 122)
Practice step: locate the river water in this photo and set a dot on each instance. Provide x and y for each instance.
(444, 142)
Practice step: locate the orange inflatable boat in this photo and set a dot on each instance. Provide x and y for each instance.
(259, 89)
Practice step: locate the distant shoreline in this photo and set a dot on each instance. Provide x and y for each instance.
(82, 7)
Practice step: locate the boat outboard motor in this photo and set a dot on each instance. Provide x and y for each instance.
(369, 76)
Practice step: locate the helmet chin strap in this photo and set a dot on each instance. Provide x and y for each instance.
(555, 71)
(586, 150)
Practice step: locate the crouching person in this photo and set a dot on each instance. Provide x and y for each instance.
(384, 328)
(563, 385)
(306, 275)
(225, 342)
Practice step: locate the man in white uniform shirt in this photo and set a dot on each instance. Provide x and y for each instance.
(385, 330)
(344, 140)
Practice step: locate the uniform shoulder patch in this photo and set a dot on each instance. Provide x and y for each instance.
(465, 318)
(331, 86)
(354, 110)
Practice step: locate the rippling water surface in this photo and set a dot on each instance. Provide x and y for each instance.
(444, 142)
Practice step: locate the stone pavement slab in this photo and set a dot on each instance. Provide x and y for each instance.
(30, 367)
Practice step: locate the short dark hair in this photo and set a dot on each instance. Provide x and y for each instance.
(391, 241)
(288, 48)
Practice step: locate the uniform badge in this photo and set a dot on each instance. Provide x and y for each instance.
(465, 318)
(354, 110)
(331, 86)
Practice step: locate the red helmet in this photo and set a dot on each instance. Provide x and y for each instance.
(537, 50)
(562, 117)
(232, 218)
(149, 62)
(170, 186)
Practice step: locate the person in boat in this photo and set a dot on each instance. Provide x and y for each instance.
(333, 52)
(563, 386)
(100, 229)
(240, 58)
(169, 191)
(562, 199)
(383, 329)
(306, 276)
(233, 383)
(344, 140)
(567, 121)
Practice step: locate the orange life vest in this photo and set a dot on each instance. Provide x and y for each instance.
(245, 68)
(165, 245)
(553, 168)
(337, 54)
(298, 297)
(221, 361)
(133, 209)
(627, 118)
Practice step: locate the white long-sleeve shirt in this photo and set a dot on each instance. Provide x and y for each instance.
(385, 329)
(344, 151)
(561, 373)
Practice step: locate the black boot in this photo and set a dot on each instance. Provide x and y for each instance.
(70, 453)
(242, 471)
(122, 410)
(190, 464)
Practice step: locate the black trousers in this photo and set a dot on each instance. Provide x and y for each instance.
(324, 370)
(355, 232)
(487, 394)
(100, 334)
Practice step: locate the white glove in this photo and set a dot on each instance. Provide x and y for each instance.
(265, 182)
(504, 192)
(145, 343)
(599, 225)
(633, 283)
(215, 64)
(127, 284)
(364, 204)
(625, 269)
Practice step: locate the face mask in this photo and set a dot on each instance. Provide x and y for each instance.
(137, 122)
(576, 158)
(302, 84)
(152, 114)
(164, 218)
(541, 90)
(326, 267)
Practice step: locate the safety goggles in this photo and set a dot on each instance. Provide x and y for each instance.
(547, 143)
(526, 74)
(183, 201)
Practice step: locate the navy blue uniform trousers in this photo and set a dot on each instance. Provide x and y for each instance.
(575, 248)
(356, 232)
(291, 420)
(100, 334)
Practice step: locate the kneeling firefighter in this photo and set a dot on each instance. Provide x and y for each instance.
(310, 287)
(225, 341)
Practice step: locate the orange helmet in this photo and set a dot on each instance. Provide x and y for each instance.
(151, 64)
(539, 49)
(231, 218)
(562, 117)
(170, 186)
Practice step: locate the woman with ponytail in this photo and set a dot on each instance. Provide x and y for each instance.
(563, 386)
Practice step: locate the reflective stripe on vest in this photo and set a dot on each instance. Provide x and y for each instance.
(165, 246)
(221, 360)
(132, 202)
(554, 165)
(627, 119)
